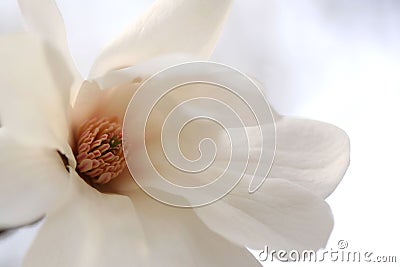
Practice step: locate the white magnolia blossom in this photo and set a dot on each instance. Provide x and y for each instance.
(44, 100)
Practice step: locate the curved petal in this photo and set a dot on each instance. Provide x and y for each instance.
(309, 153)
(32, 180)
(95, 229)
(190, 242)
(89, 229)
(141, 70)
(280, 214)
(43, 18)
(168, 27)
(88, 98)
(94, 102)
(312, 154)
(33, 99)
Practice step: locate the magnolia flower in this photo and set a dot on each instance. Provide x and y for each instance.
(61, 154)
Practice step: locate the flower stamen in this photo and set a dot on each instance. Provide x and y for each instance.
(99, 151)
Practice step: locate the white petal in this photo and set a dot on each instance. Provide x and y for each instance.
(95, 229)
(89, 229)
(114, 101)
(94, 102)
(43, 18)
(141, 70)
(34, 88)
(181, 138)
(310, 153)
(32, 180)
(178, 237)
(280, 214)
(86, 103)
(168, 27)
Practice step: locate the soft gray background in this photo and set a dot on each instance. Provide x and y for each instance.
(333, 60)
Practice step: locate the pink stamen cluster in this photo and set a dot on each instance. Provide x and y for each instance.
(99, 151)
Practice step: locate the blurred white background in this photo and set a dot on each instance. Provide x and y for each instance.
(335, 60)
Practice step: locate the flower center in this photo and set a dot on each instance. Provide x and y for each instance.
(99, 151)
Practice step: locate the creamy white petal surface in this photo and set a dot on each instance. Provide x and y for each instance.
(43, 18)
(168, 27)
(280, 214)
(33, 103)
(176, 236)
(32, 181)
(87, 101)
(94, 102)
(142, 70)
(90, 229)
(95, 229)
(310, 153)
(116, 100)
